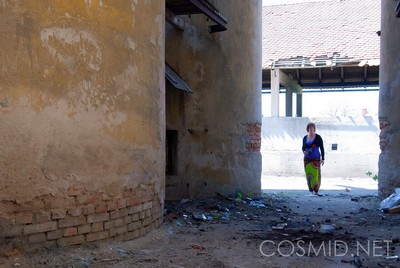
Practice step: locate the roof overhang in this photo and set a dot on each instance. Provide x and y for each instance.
(187, 7)
(176, 80)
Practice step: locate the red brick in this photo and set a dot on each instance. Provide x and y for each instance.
(97, 236)
(98, 217)
(135, 209)
(134, 226)
(119, 222)
(70, 221)
(118, 214)
(23, 218)
(37, 238)
(97, 227)
(76, 211)
(42, 216)
(147, 205)
(108, 224)
(73, 191)
(40, 227)
(88, 210)
(54, 234)
(70, 231)
(84, 229)
(122, 229)
(100, 208)
(112, 206)
(121, 203)
(58, 214)
(94, 198)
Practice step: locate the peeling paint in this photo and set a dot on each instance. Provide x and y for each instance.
(83, 45)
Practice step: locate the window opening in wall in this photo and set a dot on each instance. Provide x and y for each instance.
(171, 145)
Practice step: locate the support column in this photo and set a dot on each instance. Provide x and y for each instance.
(299, 105)
(389, 100)
(289, 102)
(275, 92)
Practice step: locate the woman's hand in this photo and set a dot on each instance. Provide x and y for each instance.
(322, 162)
(305, 153)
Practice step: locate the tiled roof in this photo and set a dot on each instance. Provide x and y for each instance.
(345, 28)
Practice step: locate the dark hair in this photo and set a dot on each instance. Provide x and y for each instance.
(310, 125)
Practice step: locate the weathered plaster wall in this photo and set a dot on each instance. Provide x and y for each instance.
(82, 119)
(389, 100)
(219, 125)
(357, 140)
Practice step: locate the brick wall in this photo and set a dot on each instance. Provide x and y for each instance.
(94, 216)
(253, 143)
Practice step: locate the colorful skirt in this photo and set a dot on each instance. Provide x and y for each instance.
(312, 168)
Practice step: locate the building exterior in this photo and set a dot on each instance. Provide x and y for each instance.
(85, 108)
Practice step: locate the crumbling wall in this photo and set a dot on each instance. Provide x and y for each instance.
(82, 115)
(219, 124)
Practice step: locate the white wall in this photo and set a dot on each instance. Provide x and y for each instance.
(357, 139)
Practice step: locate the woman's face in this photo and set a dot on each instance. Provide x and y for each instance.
(311, 130)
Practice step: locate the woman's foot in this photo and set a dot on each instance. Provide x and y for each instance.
(317, 194)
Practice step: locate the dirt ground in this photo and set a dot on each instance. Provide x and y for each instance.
(281, 228)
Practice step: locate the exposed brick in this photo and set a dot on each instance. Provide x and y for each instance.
(147, 221)
(98, 217)
(82, 199)
(142, 215)
(23, 218)
(139, 200)
(112, 206)
(72, 240)
(135, 209)
(94, 198)
(97, 227)
(112, 231)
(84, 229)
(42, 216)
(131, 235)
(88, 210)
(135, 217)
(147, 213)
(122, 229)
(118, 213)
(147, 205)
(108, 224)
(14, 231)
(142, 231)
(40, 227)
(97, 236)
(73, 191)
(54, 234)
(76, 211)
(119, 222)
(57, 214)
(127, 219)
(70, 221)
(121, 203)
(100, 208)
(70, 231)
(134, 226)
(37, 238)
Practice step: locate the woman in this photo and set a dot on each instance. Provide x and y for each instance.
(314, 157)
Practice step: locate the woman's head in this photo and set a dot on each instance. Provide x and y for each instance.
(310, 125)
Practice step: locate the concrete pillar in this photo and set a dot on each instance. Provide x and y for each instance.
(275, 92)
(289, 102)
(389, 100)
(299, 105)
